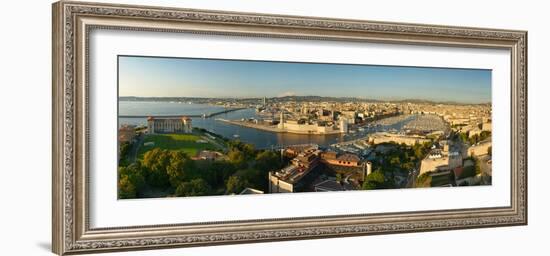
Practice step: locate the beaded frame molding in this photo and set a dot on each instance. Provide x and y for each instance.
(72, 23)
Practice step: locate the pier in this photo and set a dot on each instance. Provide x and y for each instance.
(204, 115)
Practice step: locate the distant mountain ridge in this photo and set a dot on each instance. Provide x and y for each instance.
(290, 98)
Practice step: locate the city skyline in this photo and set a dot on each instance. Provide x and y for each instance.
(186, 77)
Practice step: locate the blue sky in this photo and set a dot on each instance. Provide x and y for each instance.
(184, 77)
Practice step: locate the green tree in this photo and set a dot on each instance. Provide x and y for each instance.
(131, 180)
(179, 168)
(249, 151)
(125, 188)
(220, 171)
(254, 178)
(195, 187)
(235, 184)
(407, 154)
(418, 153)
(155, 162)
(234, 144)
(470, 170)
(395, 161)
(124, 149)
(237, 158)
(267, 161)
(463, 136)
(407, 166)
(375, 180)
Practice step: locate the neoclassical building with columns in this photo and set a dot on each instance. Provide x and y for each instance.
(169, 125)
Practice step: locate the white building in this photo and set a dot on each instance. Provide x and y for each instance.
(343, 125)
(169, 125)
(282, 120)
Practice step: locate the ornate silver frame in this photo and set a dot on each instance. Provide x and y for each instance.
(72, 22)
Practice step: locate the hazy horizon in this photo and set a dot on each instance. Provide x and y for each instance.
(213, 78)
(261, 97)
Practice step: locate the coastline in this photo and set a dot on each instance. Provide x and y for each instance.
(273, 128)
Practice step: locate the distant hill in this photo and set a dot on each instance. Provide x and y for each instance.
(323, 98)
(283, 99)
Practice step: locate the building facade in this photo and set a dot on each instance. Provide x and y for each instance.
(157, 125)
(409, 140)
(288, 179)
(343, 125)
(480, 149)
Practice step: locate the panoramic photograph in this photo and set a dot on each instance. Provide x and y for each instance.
(212, 127)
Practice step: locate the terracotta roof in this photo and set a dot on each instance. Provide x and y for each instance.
(329, 155)
(349, 157)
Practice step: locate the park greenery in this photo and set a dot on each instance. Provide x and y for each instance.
(124, 148)
(124, 151)
(189, 144)
(172, 172)
(397, 159)
(376, 180)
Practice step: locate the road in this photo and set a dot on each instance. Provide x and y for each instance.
(132, 155)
